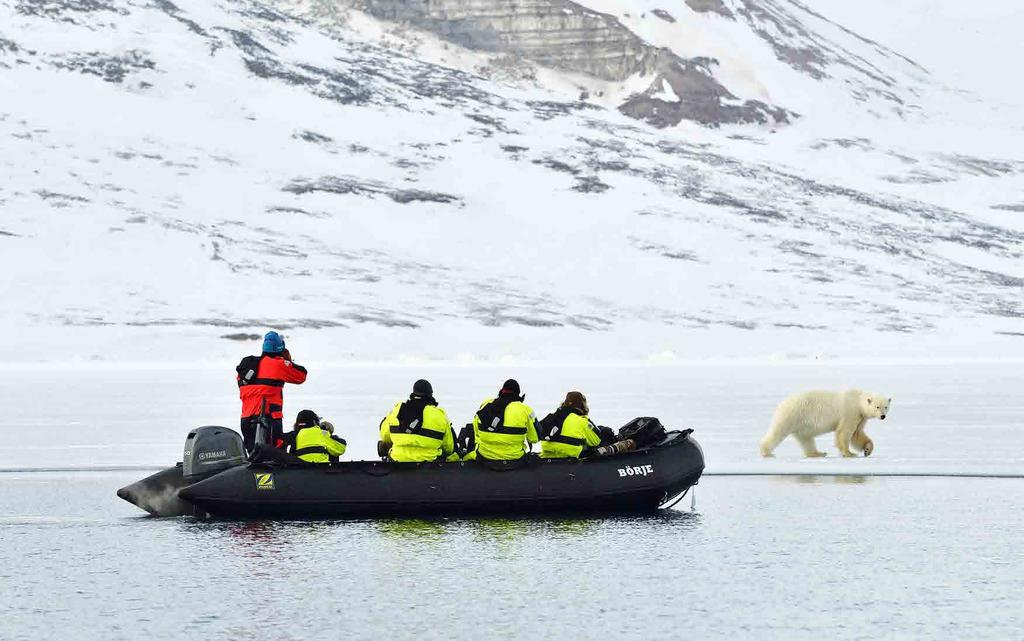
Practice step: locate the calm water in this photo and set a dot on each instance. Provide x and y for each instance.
(760, 558)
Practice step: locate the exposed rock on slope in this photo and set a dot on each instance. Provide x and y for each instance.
(712, 6)
(686, 90)
(565, 35)
(555, 33)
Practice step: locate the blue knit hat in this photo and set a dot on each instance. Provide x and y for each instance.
(273, 343)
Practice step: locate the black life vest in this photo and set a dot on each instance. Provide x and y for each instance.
(492, 417)
(410, 418)
(551, 427)
(248, 370)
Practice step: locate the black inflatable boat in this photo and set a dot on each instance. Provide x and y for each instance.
(215, 480)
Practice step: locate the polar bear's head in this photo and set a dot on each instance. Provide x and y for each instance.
(874, 405)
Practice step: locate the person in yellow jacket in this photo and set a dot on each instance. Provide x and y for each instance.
(314, 440)
(568, 430)
(504, 427)
(418, 430)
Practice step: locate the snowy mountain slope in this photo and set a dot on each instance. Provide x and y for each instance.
(865, 112)
(179, 174)
(713, 63)
(779, 50)
(965, 45)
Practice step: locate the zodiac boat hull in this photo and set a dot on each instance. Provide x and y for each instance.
(640, 481)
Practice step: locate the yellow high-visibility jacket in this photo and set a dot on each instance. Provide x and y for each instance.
(430, 439)
(315, 445)
(507, 442)
(574, 433)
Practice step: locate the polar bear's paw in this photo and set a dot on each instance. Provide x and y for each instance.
(848, 454)
(869, 447)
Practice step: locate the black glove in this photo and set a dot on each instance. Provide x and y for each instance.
(607, 435)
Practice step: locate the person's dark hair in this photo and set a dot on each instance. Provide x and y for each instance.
(576, 401)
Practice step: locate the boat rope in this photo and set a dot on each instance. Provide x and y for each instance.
(678, 498)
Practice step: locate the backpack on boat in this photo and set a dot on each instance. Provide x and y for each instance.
(492, 415)
(644, 431)
(247, 370)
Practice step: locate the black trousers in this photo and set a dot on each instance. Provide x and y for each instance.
(249, 425)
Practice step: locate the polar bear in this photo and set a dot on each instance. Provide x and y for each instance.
(811, 414)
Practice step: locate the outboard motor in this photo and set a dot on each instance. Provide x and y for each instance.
(211, 449)
(208, 450)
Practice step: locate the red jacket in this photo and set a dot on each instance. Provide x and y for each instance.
(268, 384)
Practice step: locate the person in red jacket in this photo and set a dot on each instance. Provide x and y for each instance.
(261, 381)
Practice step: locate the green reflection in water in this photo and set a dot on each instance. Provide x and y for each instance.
(821, 479)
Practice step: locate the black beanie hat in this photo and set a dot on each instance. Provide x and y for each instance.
(307, 418)
(510, 387)
(422, 387)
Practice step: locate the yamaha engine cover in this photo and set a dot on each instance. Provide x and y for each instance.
(211, 449)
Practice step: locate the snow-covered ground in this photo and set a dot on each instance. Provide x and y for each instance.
(178, 178)
(946, 418)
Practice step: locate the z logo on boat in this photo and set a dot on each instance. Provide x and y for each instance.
(636, 470)
(264, 480)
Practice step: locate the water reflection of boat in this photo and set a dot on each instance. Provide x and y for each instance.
(418, 530)
(278, 488)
